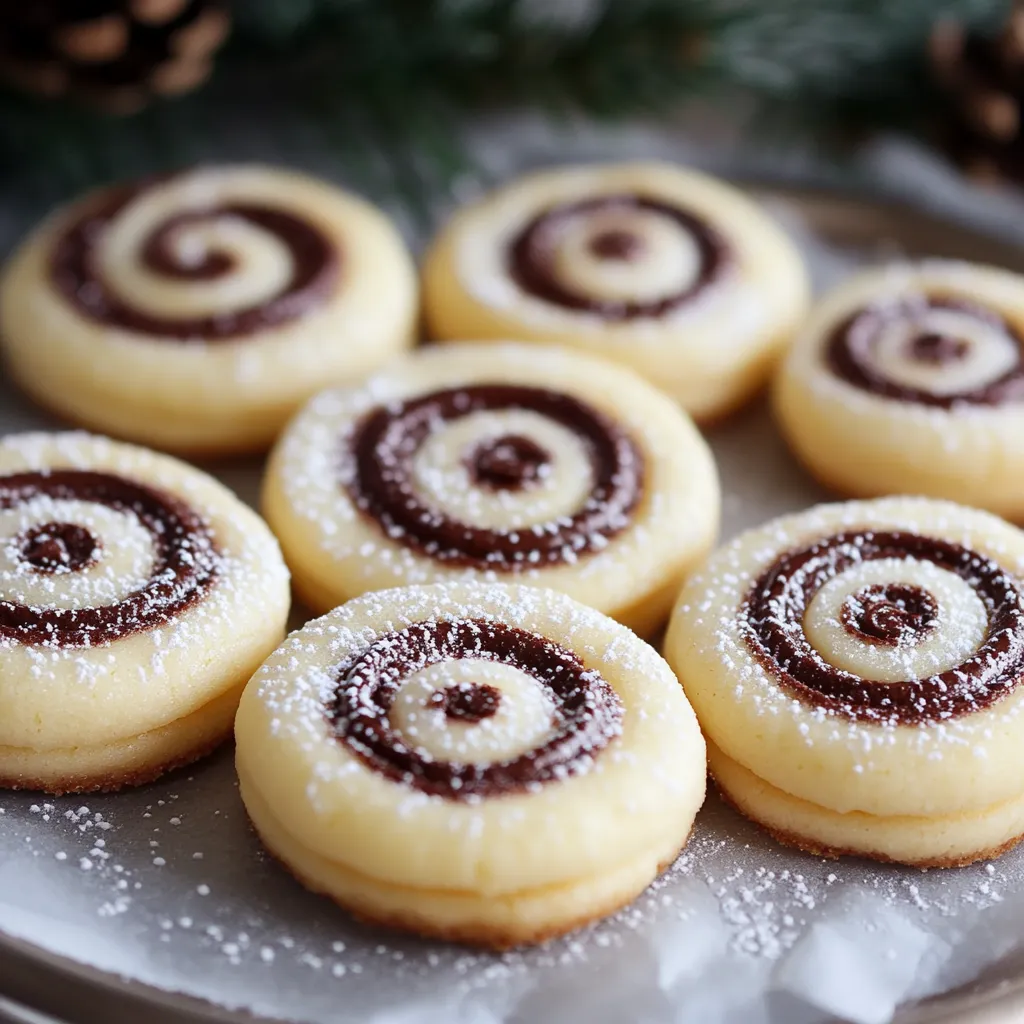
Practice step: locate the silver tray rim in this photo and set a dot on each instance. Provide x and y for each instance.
(76, 993)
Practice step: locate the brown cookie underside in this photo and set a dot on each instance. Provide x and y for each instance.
(115, 781)
(811, 846)
(481, 936)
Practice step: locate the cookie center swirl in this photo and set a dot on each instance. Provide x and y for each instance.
(468, 702)
(77, 271)
(773, 624)
(932, 350)
(617, 245)
(509, 462)
(381, 481)
(184, 558)
(161, 254)
(621, 257)
(892, 614)
(586, 711)
(59, 547)
(938, 348)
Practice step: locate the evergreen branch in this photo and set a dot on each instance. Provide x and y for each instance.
(399, 76)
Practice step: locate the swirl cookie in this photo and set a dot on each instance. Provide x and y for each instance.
(137, 597)
(666, 270)
(196, 312)
(910, 379)
(858, 671)
(537, 465)
(489, 764)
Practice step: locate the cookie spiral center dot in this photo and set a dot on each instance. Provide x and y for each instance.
(508, 463)
(893, 614)
(563, 734)
(167, 252)
(468, 702)
(617, 245)
(938, 349)
(59, 547)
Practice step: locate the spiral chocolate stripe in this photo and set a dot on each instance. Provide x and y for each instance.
(531, 252)
(587, 711)
(890, 615)
(850, 352)
(385, 443)
(185, 560)
(773, 616)
(315, 268)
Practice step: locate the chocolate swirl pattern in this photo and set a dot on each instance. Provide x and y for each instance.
(137, 595)
(657, 267)
(930, 349)
(291, 262)
(394, 707)
(502, 462)
(620, 257)
(89, 557)
(197, 311)
(894, 614)
(893, 617)
(909, 379)
(492, 763)
(389, 441)
(857, 669)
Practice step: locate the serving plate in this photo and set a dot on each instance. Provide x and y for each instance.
(158, 904)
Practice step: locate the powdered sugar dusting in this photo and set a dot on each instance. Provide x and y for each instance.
(239, 929)
(604, 537)
(730, 923)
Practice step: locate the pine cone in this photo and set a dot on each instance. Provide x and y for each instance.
(983, 80)
(115, 53)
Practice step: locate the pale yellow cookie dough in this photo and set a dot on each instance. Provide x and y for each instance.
(446, 848)
(941, 343)
(920, 759)
(338, 549)
(200, 310)
(709, 315)
(126, 667)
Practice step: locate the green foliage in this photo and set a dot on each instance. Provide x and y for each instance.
(399, 76)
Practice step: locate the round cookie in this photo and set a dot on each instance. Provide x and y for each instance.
(137, 597)
(668, 271)
(489, 764)
(858, 671)
(910, 379)
(197, 311)
(499, 462)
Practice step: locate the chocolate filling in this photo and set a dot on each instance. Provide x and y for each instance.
(59, 547)
(468, 702)
(74, 270)
(617, 245)
(185, 559)
(531, 256)
(938, 349)
(850, 352)
(381, 484)
(892, 614)
(507, 463)
(773, 613)
(587, 711)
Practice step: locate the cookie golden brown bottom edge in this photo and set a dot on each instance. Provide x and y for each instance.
(847, 490)
(245, 447)
(647, 617)
(475, 933)
(817, 848)
(165, 749)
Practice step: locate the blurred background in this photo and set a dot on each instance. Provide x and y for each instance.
(420, 102)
